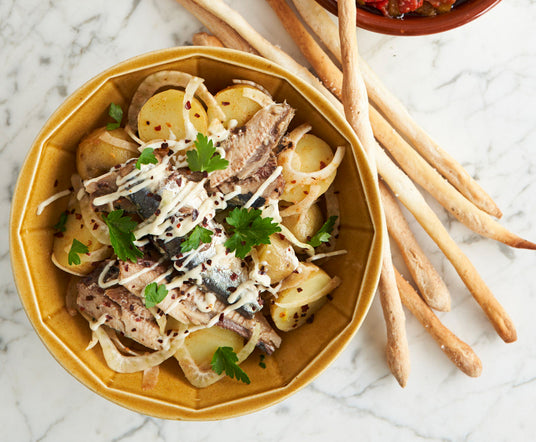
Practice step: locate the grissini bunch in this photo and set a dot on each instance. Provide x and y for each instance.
(318, 19)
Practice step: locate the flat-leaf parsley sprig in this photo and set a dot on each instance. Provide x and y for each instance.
(324, 233)
(205, 158)
(147, 157)
(225, 359)
(197, 236)
(116, 113)
(154, 294)
(249, 229)
(121, 236)
(77, 248)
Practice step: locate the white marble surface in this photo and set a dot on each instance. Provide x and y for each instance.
(473, 88)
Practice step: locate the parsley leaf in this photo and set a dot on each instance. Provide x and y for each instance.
(60, 225)
(225, 359)
(146, 157)
(116, 113)
(154, 294)
(250, 229)
(121, 235)
(204, 158)
(76, 248)
(197, 236)
(324, 233)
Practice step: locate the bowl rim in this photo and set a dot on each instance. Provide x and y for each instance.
(414, 26)
(66, 357)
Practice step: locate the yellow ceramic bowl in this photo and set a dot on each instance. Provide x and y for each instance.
(305, 352)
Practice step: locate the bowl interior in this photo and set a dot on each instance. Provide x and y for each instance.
(462, 13)
(304, 353)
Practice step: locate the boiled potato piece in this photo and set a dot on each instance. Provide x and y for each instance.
(203, 343)
(76, 229)
(305, 225)
(163, 112)
(96, 156)
(297, 291)
(235, 105)
(313, 154)
(279, 258)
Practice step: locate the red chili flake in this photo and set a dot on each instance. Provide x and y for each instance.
(188, 105)
(322, 165)
(293, 182)
(90, 298)
(178, 225)
(134, 329)
(196, 115)
(168, 124)
(157, 212)
(233, 276)
(95, 226)
(225, 103)
(78, 216)
(299, 289)
(306, 192)
(221, 317)
(158, 128)
(281, 236)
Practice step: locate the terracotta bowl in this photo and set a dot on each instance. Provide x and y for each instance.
(464, 11)
(304, 353)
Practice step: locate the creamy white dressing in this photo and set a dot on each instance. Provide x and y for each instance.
(50, 200)
(263, 187)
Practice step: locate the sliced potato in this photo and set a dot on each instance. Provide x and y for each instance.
(95, 155)
(279, 257)
(163, 112)
(235, 105)
(305, 225)
(203, 343)
(312, 154)
(298, 298)
(75, 228)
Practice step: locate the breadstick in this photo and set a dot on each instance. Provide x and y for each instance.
(356, 110)
(324, 67)
(430, 284)
(425, 175)
(408, 195)
(323, 26)
(228, 36)
(204, 39)
(461, 354)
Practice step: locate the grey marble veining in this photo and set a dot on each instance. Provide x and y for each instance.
(473, 88)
